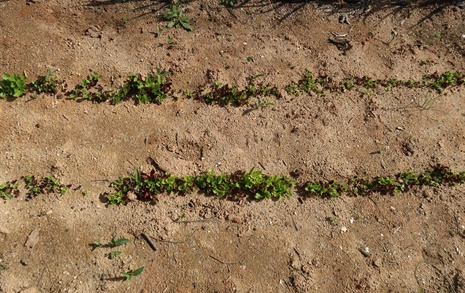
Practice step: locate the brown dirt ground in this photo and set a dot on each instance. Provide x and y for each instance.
(415, 240)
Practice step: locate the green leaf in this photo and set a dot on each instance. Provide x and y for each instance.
(114, 254)
(186, 26)
(119, 242)
(171, 24)
(137, 272)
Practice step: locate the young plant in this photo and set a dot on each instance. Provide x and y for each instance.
(45, 84)
(329, 189)
(13, 85)
(112, 243)
(176, 18)
(127, 276)
(9, 190)
(152, 89)
(44, 185)
(89, 89)
(114, 254)
(333, 220)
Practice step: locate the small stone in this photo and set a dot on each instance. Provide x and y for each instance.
(24, 262)
(32, 239)
(365, 251)
(344, 229)
(4, 230)
(377, 263)
(295, 263)
(427, 193)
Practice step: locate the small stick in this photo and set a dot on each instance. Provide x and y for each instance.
(222, 262)
(149, 241)
(295, 225)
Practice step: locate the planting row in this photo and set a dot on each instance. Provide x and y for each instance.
(252, 185)
(156, 87)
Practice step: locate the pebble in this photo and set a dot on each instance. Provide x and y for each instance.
(4, 230)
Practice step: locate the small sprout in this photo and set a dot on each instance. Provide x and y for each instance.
(119, 242)
(176, 18)
(180, 217)
(114, 254)
(127, 276)
(333, 220)
(112, 243)
(9, 190)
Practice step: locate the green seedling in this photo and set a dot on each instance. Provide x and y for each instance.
(180, 217)
(152, 89)
(127, 276)
(250, 59)
(89, 89)
(171, 42)
(329, 189)
(13, 85)
(44, 185)
(263, 103)
(45, 84)
(176, 18)
(158, 33)
(112, 243)
(333, 220)
(3, 266)
(9, 190)
(114, 254)
(125, 20)
(119, 242)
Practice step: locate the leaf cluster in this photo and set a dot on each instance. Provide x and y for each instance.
(12, 85)
(309, 83)
(44, 84)
(176, 18)
(226, 94)
(9, 190)
(152, 89)
(44, 185)
(402, 182)
(145, 186)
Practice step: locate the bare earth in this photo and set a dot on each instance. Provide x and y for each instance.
(413, 242)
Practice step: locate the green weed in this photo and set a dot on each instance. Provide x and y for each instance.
(127, 276)
(114, 254)
(112, 243)
(44, 185)
(152, 89)
(9, 190)
(45, 84)
(176, 18)
(13, 85)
